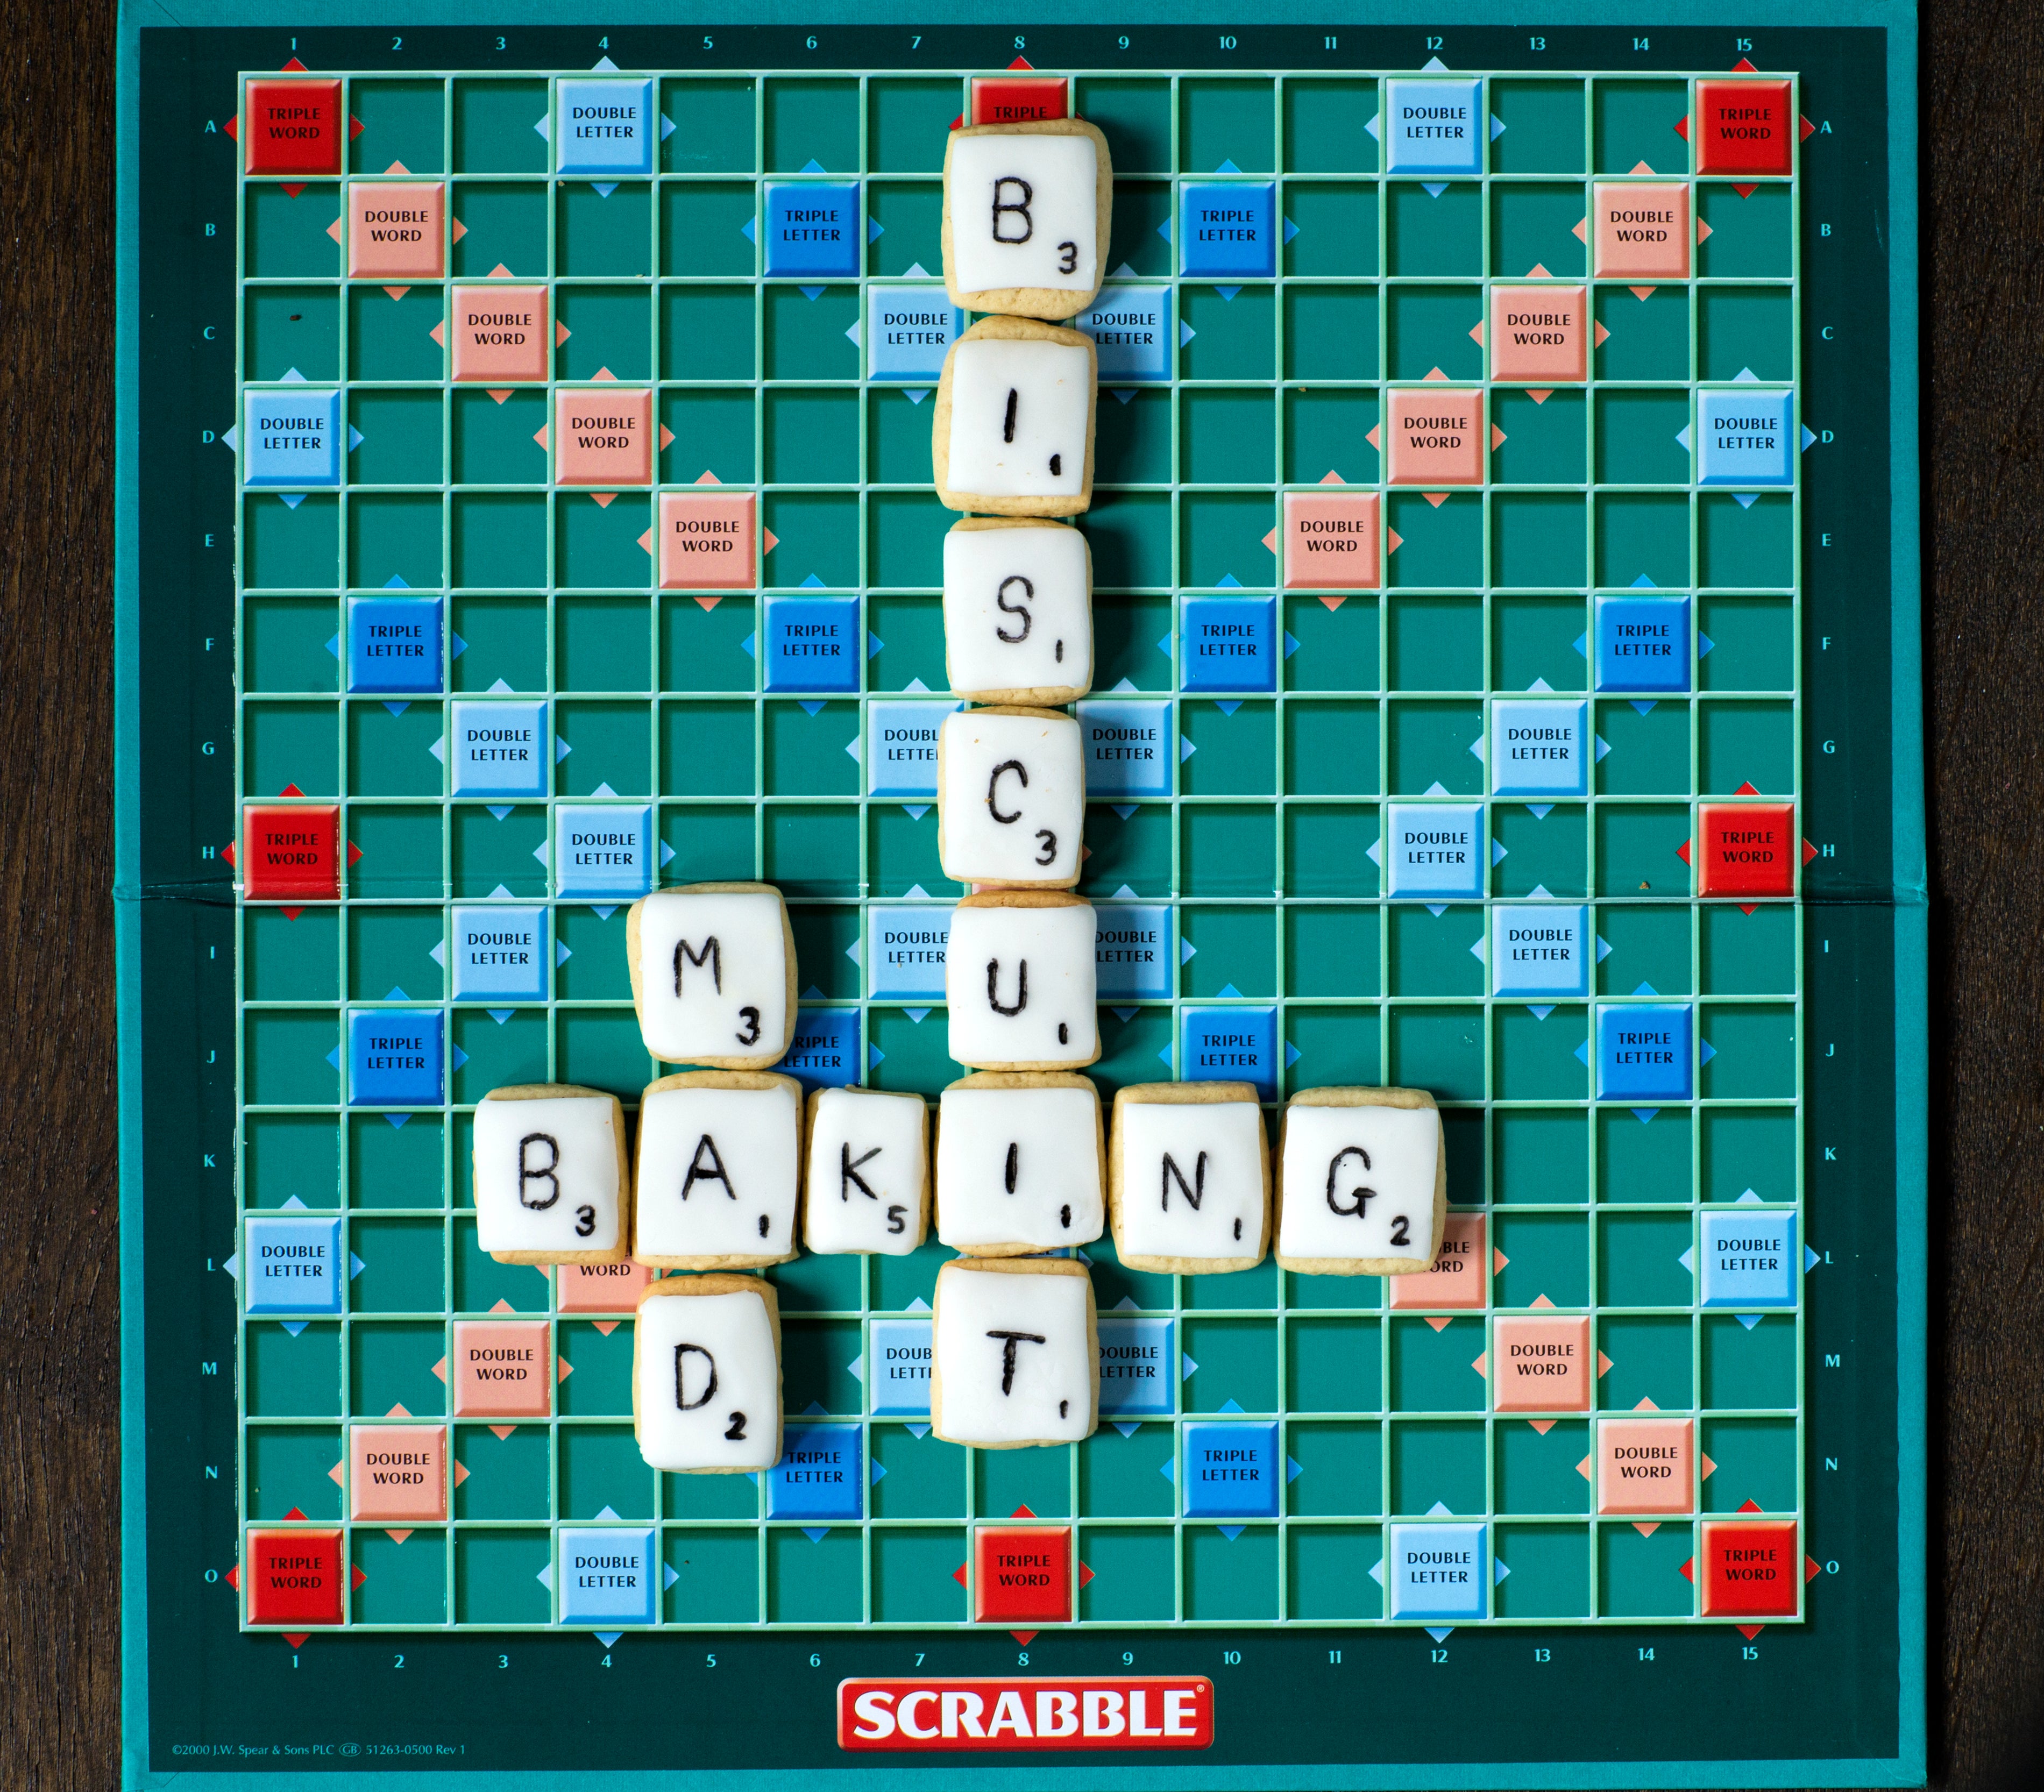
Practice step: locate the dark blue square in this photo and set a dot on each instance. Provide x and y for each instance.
(825, 1054)
(1228, 228)
(1230, 643)
(395, 1057)
(812, 228)
(811, 643)
(1231, 1471)
(821, 1474)
(394, 644)
(1642, 643)
(1644, 1051)
(1230, 1045)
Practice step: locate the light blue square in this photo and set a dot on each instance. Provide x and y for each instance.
(909, 330)
(1539, 748)
(901, 747)
(1540, 949)
(812, 226)
(397, 1057)
(1137, 1366)
(1129, 747)
(1642, 643)
(825, 1054)
(1231, 1471)
(1230, 1045)
(498, 952)
(394, 645)
(1746, 437)
(605, 127)
(1434, 849)
(905, 952)
(898, 1366)
(291, 437)
(1435, 1572)
(1228, 228)
(603, 851)
(290, 1265)
(1645, 1051)
(607, 1576)
(499, 749)
(1229, 644)
(1749, 1259)
(821, 1474)
(1434, 127)
(1131, 327)
(1132, 951)
(811, 643)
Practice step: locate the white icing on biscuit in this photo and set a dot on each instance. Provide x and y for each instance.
(547, 1175)
(1025, 212)
(1021, 417)
(717, 1175)
(1019, 1166)
(1192, 1179)
(1011, 797)
(711, 978)
(1018, 609)
(1013, 1357)
(1019, 986)
(869, 1169)
(1359, 1183)
(708, 1382)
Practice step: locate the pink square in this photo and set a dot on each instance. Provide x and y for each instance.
(1331, 539)
(1539, 333)
(1539, 1364)
(398, 1471)
(1457, 1279)
(603, 436)
(500, 333)
(502, 1369)
(601, 1287)
(1435, 435)
(1642, 230)
(1646, 1465)
(706, 540)
(397, 230)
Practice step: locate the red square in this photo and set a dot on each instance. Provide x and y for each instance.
(1009, 99)
(1022, 1574)
(1745, 128)
(293, 128)
(1750, 1569)
(290, 853)
(294, 1577)
(1745, 849)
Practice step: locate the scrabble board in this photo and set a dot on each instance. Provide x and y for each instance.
(1505, 685)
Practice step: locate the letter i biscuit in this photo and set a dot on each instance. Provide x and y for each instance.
(1021, 1163)
(706, 1374)
(552, 1182)
(1013, 430)
(1362, 1182)
(1027, 212)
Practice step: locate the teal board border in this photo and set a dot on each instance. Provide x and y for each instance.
(142, 900)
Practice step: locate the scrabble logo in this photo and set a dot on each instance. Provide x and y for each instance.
(1005, 1713)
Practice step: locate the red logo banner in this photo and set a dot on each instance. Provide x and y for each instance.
(1001, 1713)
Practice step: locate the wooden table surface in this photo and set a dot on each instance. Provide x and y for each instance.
(1983, 93)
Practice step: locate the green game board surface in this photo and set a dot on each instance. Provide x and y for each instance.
(1257, 870)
